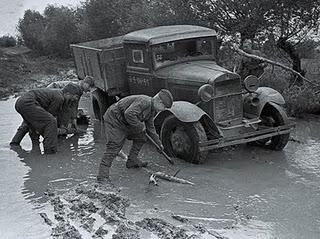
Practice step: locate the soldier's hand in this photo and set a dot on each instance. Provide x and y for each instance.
(62, 131)
(160, 147)
(72, 131)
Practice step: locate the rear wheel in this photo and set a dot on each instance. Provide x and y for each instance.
(182, 140)
(272, 117)
(101, 102)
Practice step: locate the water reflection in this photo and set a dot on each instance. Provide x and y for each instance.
(243, 191)
(71, 165)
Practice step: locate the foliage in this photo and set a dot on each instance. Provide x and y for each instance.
(50, 33)
(294, 18)
(31, 28)
(285, 20)
(105, 18)
(7, 41)
(169, 12)
(301, 99)
(306, 48)
(247, 17)
(60, 31)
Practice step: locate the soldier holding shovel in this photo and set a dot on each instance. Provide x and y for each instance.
(133, 118)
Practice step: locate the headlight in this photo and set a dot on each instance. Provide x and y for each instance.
(251, 83)
(206, 92)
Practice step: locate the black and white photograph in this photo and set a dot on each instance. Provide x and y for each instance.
(160, 119)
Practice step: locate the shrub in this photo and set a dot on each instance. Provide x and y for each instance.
(7, 41)
(301, 99)
(31, 28)
(106, 18)
(51, 33)
(276, 78)
(60, 31)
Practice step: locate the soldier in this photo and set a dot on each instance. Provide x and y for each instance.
(66, 116)
(131, 117)
(39, 108)
(249, 66)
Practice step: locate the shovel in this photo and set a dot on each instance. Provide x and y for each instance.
(161, 151)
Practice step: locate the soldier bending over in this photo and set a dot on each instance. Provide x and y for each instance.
(131, 117)
(39, 108)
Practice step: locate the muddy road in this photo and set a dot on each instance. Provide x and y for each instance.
(240, 192)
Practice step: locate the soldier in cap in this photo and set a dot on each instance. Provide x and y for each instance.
(85, 84)
(66, 117)
(69, 117)
(39, 109)
(249, 66)
(131, 118)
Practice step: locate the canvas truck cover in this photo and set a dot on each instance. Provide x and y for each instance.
(104, 60)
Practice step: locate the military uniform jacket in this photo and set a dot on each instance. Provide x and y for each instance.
(137, 113)
(249, 66)
(49, 99)
(69, 111)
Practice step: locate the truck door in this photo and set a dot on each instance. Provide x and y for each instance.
(140, 78)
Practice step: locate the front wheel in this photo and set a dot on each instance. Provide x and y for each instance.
(272, 116)
(182, 139)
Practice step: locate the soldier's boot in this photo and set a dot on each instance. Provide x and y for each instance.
(112, 150)
(21, 132)
(34, 136)
(133, 161)
(50, 137)
(136, 163)
(103, 174)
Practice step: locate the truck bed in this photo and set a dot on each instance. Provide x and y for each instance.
(104, 60)
(101, 44)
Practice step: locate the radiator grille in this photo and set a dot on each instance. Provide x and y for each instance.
(228, 108)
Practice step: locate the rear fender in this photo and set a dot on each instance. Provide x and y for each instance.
(268, 95)
(188, 113)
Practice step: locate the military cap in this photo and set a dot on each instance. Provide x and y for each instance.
(89, 80)
(166, 97)
(73, 89)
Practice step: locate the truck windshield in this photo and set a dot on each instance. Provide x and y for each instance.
(171, 52)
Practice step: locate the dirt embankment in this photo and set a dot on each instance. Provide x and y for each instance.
(21, 70)
(98, 211)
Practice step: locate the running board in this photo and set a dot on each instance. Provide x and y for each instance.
(246, 137)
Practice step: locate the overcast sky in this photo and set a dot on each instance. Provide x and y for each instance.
(12, 10)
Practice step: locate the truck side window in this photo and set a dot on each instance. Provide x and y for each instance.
(137, 56)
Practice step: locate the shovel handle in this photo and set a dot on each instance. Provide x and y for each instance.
(161, 151)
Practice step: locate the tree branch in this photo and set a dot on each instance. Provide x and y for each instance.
(241, 52)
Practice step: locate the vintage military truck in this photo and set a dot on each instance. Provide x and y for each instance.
(213, 108)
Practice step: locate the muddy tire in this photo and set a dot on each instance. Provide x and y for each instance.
(272, 116)
(181, 140)
(101, 102)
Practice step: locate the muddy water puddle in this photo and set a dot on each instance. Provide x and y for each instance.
(240, 192)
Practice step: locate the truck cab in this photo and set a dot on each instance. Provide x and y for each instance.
(213, 107)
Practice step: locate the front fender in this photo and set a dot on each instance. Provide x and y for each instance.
(188, 113)
(182, 110)
(268, 95)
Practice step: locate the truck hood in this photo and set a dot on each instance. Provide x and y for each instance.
(196, 71)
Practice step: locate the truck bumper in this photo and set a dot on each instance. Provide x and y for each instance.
(246, 137)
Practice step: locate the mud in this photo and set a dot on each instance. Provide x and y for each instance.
(240, 192)
(93, 210)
